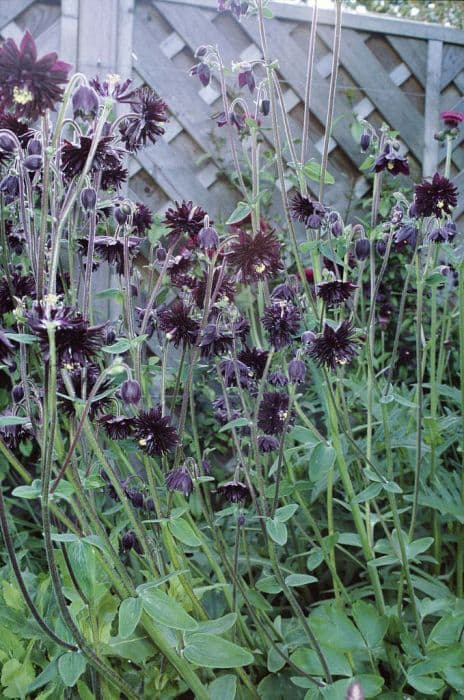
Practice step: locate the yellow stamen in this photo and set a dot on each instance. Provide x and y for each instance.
(440, 204)
(112, 79)
(260, 267)
(390, 166)
(142, 442)
(22, 96)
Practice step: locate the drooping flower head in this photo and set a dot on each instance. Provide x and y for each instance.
(179, 480)
(391, 161)
(29, 86)
(111, 249)
(282, 321)
(19, 128)
(335, 293)
(273, 412)
(74, 156)
(83, 379)
(142, 218)
(255, 359)
(178, 325)
(306, 211)
(255, 257)
(443, 234)
(234, 491)
(113, 87)
(154, 432)
(435, 198)
(16, 287)
(150, 111)
(186, 218)
(334, 347)
(12, 435)
(116, 427)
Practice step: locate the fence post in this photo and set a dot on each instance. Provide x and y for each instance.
(432, 106)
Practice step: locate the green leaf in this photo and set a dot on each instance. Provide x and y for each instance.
(12, 420)
(275, 662)
(31, 491)
(16, 677)
(425, 684)
(209, 651)
(236, 423)
(182, 531)
(286, 512)
(47, 675)
(313, 171)
(84, 563)
(447, 630)
(371, 625)
(71, 666)
(115, 294)
(25, 338)
(371, 491)
(119, 347)
(269, 584)
(295, 580)
(218, 626)
(64, 537)
(240, 212)
(130, 612)
(335, 630)
(367, 163)
(277, 531)
(223, 688)
(321, 460)
(308, 660)
(167, 611)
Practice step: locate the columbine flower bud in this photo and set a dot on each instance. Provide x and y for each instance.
(296, 371)
(131, 392)
(362, 248)
(208, 238)
(88, 199)
(308, 337)
(201, 51)
(34, 147)
(246, 78)
(121, 213)
(336, 228)
(7, 143)
(128, 541)
(33, 163)
(85, 102)
(381, 247)
(365, 141)
(265, 107)
(17, 393)
(9, 186)
(202, 70)
(160, 254)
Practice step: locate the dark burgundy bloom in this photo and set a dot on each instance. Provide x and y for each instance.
(9, 187)
(202, 70)
(146, 126)
(278, 379)
(444, 233)
(221, 412)
(130, 392)
(335, 293)
(112, 249)
(246, 78)
(76, 341)
(18, 286)
(296, 371)
(308, 212)
(215, 341)
(255, 359)
(6, 347)
(142, 218)
(234, 371)
(226, 288)
(74, 156)
(391, 161)
(234, 491)
(208, 238)
(19, 128)
(129, 541)
(83, 380)
(282, 321)
(112, 87)
(29, 86)
(255, 257)
(114, 177)
(12, 435)
(154, 432)
(179, 480)
(178, 325)
(273, 412)
(178, 267)
(135, 497)
(452, 119)
(334, 347)
(85, 102)
(185, 218)
(117, 427)
(405, 235)
(435, 198)
(267, 443)
(285, 291)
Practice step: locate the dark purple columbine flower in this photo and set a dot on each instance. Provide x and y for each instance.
(405, 235)
(267, 443)
(392, 162)
(335, 293)
(114, 177)
(277, 379)
(308, 212)
(9, 187)
(282, 321)
(202, 70)
(187, 218)
(85, 102)
(443, 234)
(362, 248)
(255, 359)
(76, 341)
(74, 156)
(234, 371)
(435, 198)
(146, 126)
(246, 78)
(6, 347)
(215, 341)
(221, 413)
(113, 87)
(142, 218)
(19, 128)
(273, 412)
(12, 435)
(208, 238)
(226, 290)
(396, 214)
(452, 119)
(234, 491)
(285, 291)
(129, 541)
(255, 257)
(334, 347)
(179, 480)
(117, 427)
(83, 380)
(18, 286)
(297, 371)
(178, 325)
(29, 86)
(112, 249)
(154, 432)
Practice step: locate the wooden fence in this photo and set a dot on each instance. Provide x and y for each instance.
(400, 72)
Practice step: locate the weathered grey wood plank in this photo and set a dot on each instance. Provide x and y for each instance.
(414, 54)
(432, 106)
(367, 71)
(453, 63)
(9, 9)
